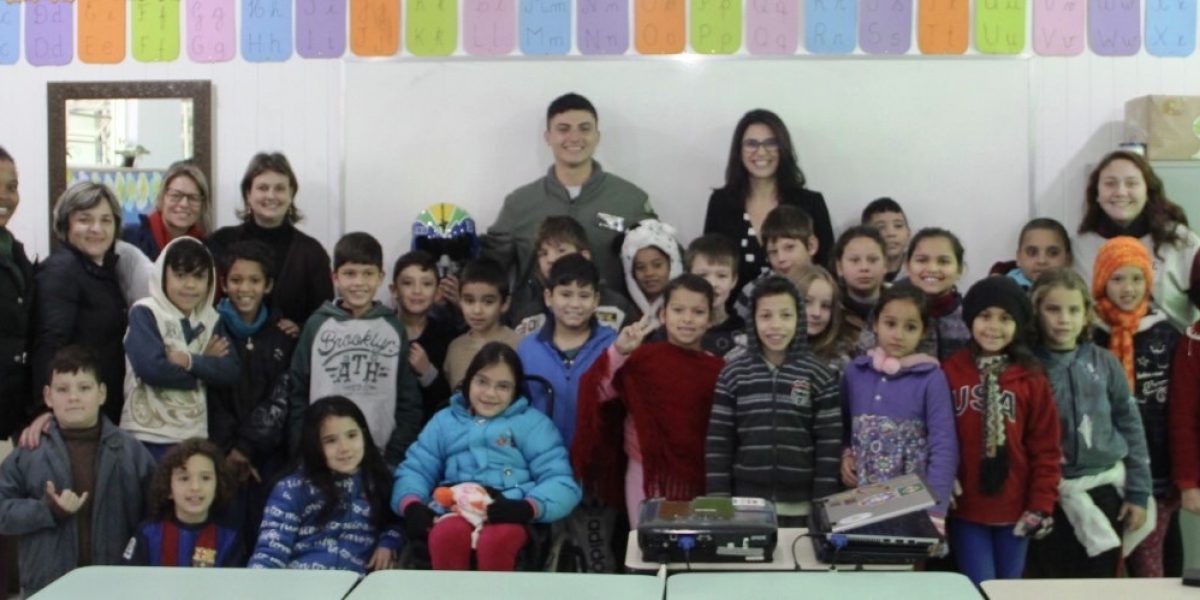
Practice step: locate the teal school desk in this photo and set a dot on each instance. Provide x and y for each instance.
(178, 583)
(1089, 589)
(811, 586)
(474, 585)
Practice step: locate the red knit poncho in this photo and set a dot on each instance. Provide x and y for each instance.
(668, 391)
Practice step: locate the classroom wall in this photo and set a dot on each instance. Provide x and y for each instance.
(295, 106)
(1078, 115)
(859, 127)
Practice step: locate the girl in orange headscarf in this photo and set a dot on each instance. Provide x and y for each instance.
(1144, 342)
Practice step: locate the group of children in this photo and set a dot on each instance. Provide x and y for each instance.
(787, 387)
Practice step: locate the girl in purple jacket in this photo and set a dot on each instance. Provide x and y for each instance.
(898, 404)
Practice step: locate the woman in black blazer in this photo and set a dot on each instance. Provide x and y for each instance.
(762, 173)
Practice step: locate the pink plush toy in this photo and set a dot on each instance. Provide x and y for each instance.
(468, 500)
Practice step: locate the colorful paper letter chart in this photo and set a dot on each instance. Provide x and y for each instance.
(101, 32)
(603, 26)
(432, 27)
(1115, 27)
(1171, 27)
(266, 30)
(942, 26)
(545, 27)
(772, 26)
(105, 32)
(716, 26)
(1000, 26)
(155, 30)
(10, 33)
(830, 26)
(320, 28)
(658, 26)
(48, 39)
(1059, 27)
(374, 27)
(211, 31)
(490, 27)
(885, 26)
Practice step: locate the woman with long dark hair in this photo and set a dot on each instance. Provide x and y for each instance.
(761, 174)
(332, 511)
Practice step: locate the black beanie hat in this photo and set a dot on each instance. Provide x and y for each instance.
(1001, 291)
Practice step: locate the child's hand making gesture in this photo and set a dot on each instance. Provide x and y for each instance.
(631, 337)
(65, 502)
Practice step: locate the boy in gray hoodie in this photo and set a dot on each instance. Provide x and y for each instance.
(356, 347)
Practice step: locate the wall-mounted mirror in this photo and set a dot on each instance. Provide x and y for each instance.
(126, 134)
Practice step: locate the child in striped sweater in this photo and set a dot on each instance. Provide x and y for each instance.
(776, 425)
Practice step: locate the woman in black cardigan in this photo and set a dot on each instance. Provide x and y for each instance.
(762, 173)
(302, 270)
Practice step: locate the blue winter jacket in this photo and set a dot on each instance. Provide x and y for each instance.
(518, 452)
(540, 358)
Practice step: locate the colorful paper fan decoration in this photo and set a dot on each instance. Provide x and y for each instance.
(448, 233)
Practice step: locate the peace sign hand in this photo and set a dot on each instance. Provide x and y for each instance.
(631, 337)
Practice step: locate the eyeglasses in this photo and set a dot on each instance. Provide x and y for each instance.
(500, 387)
(752, 145)
(176, 197)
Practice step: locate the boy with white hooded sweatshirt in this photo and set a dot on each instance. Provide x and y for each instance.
(651, 258)
(174, 350)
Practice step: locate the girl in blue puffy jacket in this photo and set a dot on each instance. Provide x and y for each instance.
(491, 436)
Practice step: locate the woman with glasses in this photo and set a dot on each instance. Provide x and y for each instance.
(762, 173)
(180, 209)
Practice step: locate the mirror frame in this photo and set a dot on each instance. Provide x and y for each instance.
(58, 92)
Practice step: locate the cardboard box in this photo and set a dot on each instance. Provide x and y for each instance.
(1169, 126)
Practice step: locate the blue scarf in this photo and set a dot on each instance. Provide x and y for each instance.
(1019, 276)
(233, 321)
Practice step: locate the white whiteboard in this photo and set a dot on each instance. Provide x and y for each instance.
(949, 139)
